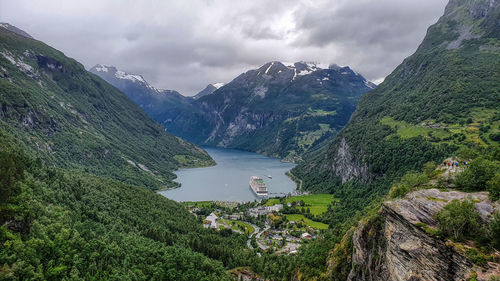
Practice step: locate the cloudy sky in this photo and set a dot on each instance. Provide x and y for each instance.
(186, 44)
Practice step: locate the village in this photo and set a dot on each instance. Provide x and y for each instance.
(276, 225)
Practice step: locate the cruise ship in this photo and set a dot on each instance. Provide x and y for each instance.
(258, 186)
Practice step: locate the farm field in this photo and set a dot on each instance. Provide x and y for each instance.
(317, 203)
(306, 221)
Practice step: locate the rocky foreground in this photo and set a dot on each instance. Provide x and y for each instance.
(400, 244)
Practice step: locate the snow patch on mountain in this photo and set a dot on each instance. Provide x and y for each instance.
(218, 85)
(123, 75)
(101, 68)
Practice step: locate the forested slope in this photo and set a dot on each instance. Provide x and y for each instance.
(73, 119)
(58, 224)
(441, 101)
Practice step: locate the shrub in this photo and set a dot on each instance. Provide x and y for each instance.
(459, 220)
(408, 182)
(476, 257)
(399, 190)
(429, 168)
(493, 186)
(477, 175)
(495, 230)
(413, 180)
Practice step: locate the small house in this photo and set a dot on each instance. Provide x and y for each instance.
(212, 221)
(306, 235)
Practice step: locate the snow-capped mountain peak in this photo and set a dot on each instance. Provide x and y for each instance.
(111, 71)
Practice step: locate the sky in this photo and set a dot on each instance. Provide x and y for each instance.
(184, 45)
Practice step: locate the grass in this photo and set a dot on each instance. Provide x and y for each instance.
(447, 135)
(243, 226)
(437, 199)
(306, 221)
(405, 130)
(306, 139)
(429, 230)
(317, 203)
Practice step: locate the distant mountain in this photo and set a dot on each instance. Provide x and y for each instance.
(161, 105)
(279, 109)
(209, 89)
(15, 30)
(74, 119)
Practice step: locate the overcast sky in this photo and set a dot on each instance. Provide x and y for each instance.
(186, 44)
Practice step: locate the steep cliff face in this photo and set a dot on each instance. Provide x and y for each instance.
(346, 166)
(395, 246)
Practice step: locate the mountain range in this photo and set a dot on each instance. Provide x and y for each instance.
(77, 151)
(279, 110)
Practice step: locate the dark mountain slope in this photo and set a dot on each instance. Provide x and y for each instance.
(279, 110)
(74, 119)
(161, 105)
(209, 89)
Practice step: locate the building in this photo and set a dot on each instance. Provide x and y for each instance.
(306, 235)
(212, 221)
(235, 216)
(264, 210)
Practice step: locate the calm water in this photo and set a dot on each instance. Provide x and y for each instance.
(228, 180)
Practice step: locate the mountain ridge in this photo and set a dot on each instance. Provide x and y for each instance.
(274, 109)
(71, 118)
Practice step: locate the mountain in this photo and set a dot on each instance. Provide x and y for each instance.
(70, 145)
(58, 224)
(71, 118)
(442, 99)
(161, 105)
(15, 30)
(209, 89)
(279, 110)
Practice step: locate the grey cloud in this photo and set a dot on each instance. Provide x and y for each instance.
(184, 45)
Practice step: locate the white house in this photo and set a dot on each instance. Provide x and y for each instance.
(306, 235)
(212, 221)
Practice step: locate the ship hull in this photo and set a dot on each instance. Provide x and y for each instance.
(258, 186)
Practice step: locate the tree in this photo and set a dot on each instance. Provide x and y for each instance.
(428, 168)
(477, 175)
(459, 219)
(493, 186)
(12, 164)
(495, 230)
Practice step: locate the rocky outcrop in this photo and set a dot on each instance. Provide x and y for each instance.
(345, 166)
(393, 246)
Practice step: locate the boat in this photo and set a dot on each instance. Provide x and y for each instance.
(269, 176)
(258, 186)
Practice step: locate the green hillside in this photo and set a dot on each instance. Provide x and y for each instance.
(73, 119)
(57, 224)
(441, 101)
